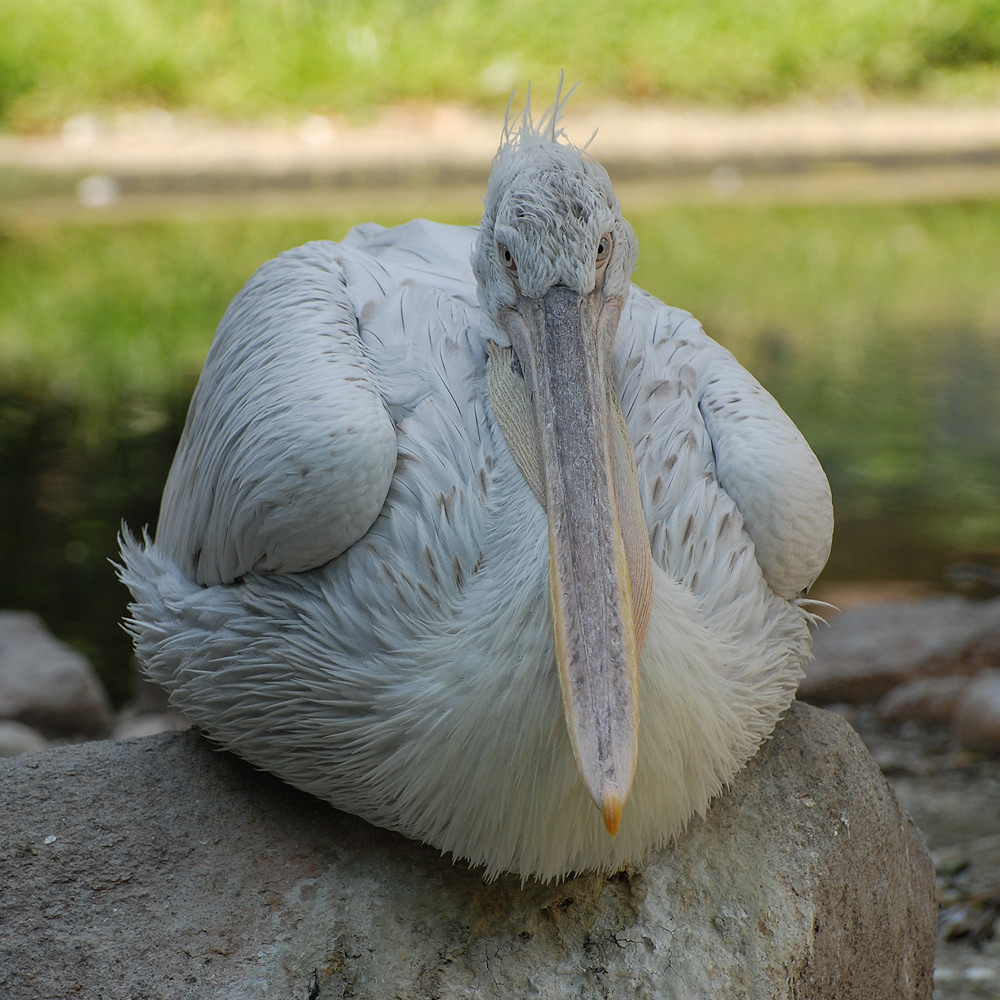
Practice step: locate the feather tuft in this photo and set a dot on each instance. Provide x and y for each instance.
(520, 128)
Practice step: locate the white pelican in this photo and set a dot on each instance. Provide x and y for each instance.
(469, 536)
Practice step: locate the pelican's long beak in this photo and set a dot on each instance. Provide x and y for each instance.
(600, 568)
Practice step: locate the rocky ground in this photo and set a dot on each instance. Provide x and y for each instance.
(953, 794)
(919, 680)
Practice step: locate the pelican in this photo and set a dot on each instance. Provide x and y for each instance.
(471, 537)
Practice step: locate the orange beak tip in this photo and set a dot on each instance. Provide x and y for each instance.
(612, 804)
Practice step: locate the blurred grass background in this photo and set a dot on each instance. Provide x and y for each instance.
(250, 59)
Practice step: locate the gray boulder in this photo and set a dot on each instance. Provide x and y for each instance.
(158, 867)
(46, 684)
(869, 650)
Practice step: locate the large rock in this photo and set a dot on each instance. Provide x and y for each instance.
(161, 868)
(867, 651)
(46, 684)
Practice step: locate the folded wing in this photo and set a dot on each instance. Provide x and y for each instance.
(692, 398)
(288, 450)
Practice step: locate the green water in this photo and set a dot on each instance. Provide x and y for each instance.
(877, 327)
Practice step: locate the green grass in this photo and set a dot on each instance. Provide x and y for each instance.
(261, 57)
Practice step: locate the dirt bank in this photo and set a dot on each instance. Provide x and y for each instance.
(890, 150)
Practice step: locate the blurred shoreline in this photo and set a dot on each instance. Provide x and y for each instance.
(797, 152)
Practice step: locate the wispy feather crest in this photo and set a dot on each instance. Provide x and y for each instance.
(548, 202)
(520, 127)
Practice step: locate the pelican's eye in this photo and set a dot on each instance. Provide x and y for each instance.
(604, 248)
(506, 256)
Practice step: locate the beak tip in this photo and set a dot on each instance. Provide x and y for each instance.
(612, 804)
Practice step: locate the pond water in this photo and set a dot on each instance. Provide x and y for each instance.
(877, 328)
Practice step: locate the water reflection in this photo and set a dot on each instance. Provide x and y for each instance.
(914, 461)
(902, 409)
(61, 504)
(911, 442)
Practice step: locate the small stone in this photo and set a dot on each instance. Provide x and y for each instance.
(16, 738)
(46, 684)
(148, 724)
(98, 191)
(926, 699)
(977, 714)
(980, 974)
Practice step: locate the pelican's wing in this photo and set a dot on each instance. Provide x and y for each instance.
(288, 450)
(429, 253)
(745, 439)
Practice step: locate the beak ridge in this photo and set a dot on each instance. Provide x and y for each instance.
(565, 343)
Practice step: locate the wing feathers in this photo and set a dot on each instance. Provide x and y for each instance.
(288, 450)
(743, 438)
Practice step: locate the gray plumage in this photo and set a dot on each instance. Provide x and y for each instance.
(350, 580)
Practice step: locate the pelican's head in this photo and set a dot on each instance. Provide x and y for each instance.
(553, 263)
(551, 219)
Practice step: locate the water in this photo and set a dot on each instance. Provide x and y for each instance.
(61, 505)
(880, 339)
